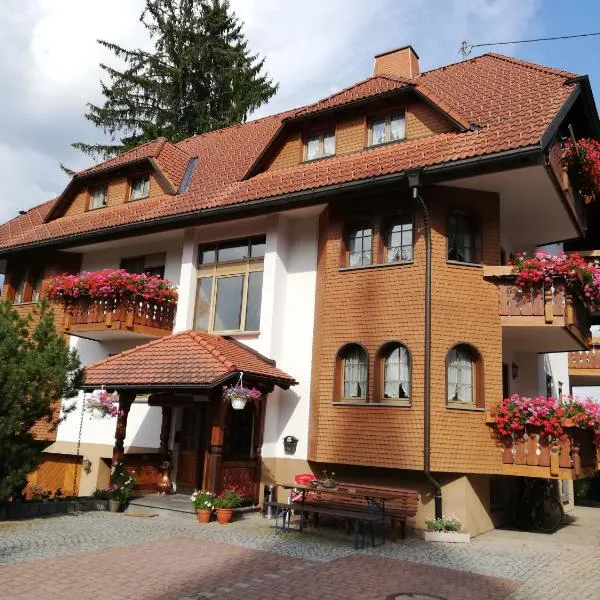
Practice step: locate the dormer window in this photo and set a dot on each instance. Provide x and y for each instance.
(387, 129)
(140, 188)
(319, 146)
(98, 197)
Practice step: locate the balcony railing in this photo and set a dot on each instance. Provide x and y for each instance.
(142, 318)
(543, 306)
(574, 457)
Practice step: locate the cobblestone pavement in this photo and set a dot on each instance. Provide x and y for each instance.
(171, 557)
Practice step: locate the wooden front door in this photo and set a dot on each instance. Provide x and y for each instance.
(192, 445)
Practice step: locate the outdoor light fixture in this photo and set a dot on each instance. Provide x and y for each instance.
(514, 368)
(86, 464)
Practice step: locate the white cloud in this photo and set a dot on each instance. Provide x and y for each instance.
(50, 64)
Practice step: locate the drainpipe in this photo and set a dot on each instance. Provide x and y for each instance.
(414, 178)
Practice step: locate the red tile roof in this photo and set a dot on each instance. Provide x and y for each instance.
(190, 358)
(511, 102)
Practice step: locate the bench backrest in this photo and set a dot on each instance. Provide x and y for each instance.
(406, 501)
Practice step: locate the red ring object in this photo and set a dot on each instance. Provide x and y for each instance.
(303, 478)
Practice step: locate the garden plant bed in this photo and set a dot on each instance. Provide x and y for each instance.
(29, 510)
(455, 537)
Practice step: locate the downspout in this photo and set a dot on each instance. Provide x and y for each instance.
(413, 183)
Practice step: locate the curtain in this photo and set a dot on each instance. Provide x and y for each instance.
(461, 371)
(355, 373)
(396, 373)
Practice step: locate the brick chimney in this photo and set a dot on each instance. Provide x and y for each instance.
(403, 62)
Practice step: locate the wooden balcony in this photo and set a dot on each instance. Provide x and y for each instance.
(575, 457)
(584, 366)
(109, 321)
(544, 318)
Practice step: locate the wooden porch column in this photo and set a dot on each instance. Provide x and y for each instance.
(215, 453)
(165, 428)
(125, 401)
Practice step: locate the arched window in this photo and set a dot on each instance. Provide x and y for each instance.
(399, 239)
(353, 372)
(464, 376)
(395, 372)
(359, 242)
(464, 238)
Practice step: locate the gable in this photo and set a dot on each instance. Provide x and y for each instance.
(352, 129)
(118, 192)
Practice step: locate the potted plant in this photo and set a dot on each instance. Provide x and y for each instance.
(328, 480)
(446, 529)
(238, 395)
(204, 502)
(226, 503)
(122, 485)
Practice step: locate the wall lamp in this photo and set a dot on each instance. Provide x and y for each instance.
(514, 370)
(86, 464)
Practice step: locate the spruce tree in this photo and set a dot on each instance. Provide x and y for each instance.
(37, 369)
(200, 76)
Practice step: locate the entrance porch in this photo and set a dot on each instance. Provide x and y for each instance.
(207, 443)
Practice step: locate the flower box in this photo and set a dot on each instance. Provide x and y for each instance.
(453, 537)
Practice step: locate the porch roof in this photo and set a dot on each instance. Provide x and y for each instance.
(190, 359)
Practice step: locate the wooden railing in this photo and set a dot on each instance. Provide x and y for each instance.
(109, 314)
(586, 359)
(575, 456)
(552, 303)
(561, 175)
(244, 475)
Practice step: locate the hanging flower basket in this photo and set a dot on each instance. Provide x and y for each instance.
(582, 160)
(101, 404)
(238, 395)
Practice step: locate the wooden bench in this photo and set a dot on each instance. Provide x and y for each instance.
(397, 510)
(359, 518)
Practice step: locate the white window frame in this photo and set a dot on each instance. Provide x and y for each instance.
(321, 138)
(143, 178)
(104, 204)
(388, 128)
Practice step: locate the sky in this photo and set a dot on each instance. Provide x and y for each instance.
(50, 67)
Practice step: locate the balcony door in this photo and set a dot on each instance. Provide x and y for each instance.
(192, 446)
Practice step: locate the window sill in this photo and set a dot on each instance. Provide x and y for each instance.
(91, 208)
(31, 303)
(398, 263)
(465, 407)
(314, 160)
(236, 333)
(399, 404)
(383, 144)
(458, 263)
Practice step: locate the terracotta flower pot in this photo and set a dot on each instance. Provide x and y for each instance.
(204, 515)
(224, 515)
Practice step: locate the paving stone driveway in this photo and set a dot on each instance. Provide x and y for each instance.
(169, 557)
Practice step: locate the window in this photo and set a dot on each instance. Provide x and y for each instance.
(464, 239)
(238, 433)
(98, 197)
(464, 374)
(395, 373)
(27, 286)
(229, 289)
(398, 239)
(359, 240)
(319, 146)
(387, 129)
(140, 188)
(150, 264)
(353, 373)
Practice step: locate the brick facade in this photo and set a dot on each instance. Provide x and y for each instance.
(374, 305)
